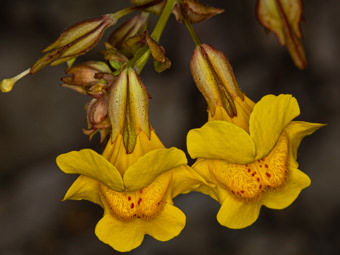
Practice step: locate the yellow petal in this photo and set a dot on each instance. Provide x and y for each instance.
(221, 140)
(284, 196)
(91, 164)
(122, 236)
(297, 130)
(84, 188)
(117, 155)
(268, 119)
(201, 166)
(238, 214)
(184, 180)
(152, 164)
(167, 225)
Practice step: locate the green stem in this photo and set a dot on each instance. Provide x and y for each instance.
(163, 19)
(192, 32)
(140, 62)
(189, 26)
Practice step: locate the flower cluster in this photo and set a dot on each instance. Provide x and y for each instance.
(246, 153)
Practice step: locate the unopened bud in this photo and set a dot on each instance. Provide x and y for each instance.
(283, 18)
(97, 117)
(161, 62)
(75, 41)
(215, 79)
(156, 6)
(128, 108)
(116, 59)
(131, 28)
(85, 73)
(194, 11)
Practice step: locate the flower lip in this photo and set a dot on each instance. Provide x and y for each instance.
(145, 204)
(249, 181)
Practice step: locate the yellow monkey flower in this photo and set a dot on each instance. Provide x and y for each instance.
(134, 189)
(252, 166)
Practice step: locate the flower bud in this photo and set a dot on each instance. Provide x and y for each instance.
(128, 108)
(156, 7)
(116, 59)
(161, 62)
(133, 27)
(84, 74)
(283, 19)
(74, 41)
(215, 79)
(194, 11)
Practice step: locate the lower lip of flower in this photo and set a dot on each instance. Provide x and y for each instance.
(248, 182)
(145, 204)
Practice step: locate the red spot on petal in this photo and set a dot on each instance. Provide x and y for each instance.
(129, 198)
(139, 200)
(266, 166)
(249, 170)
(141, 191)
(268, 175)
(132, 205)
(242, 191)
(258, 179)
(260, 187)
(260, 165)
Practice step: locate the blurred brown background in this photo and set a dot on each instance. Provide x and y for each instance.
(40, 120)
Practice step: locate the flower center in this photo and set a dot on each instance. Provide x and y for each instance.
(146, 203)
(251, 180)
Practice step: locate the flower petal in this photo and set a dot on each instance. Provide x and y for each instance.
(238, 214)
(149, 166)
(167, 225)
(184, 180)
(286, 195)
(84, 188)
(201, 166)
(297, 130)
(118, 156)
(221, 140)
(122, 236)
(268, 119)
(91, 164)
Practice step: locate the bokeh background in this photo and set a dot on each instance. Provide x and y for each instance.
(40, 120)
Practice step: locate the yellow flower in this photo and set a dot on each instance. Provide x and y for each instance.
(134, 189)
(252, 168)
